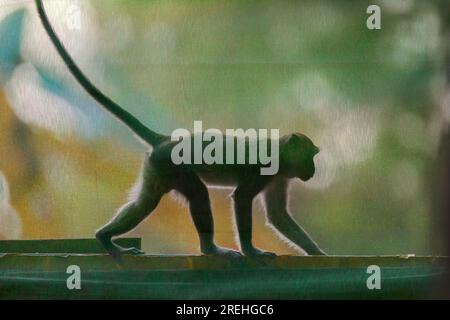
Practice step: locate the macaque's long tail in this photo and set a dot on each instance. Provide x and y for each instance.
(124, 116)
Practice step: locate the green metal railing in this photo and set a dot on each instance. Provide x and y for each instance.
(24, 274)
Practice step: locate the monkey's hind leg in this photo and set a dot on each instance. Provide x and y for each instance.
(195, 191)
(132, 213)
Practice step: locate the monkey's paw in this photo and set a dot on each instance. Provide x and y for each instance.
(131, 251)
(219, 251)
(316, 252)
(257, 253)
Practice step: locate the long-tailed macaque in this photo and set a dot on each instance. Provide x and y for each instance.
(160, 175)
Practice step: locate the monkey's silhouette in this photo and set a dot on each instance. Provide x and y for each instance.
(160, 175)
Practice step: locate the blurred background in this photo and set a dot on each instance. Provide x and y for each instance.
(375, 101)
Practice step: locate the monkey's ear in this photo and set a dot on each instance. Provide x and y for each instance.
(292, 139)
(316, 150)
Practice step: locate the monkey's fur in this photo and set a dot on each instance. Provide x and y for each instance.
(160, 176)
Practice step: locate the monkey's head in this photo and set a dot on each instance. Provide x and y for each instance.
(297, 153)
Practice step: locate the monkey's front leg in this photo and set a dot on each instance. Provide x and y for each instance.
(276, 205)
(243, 213)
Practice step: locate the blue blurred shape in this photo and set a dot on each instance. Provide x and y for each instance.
(86, 106)
(10, 37)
